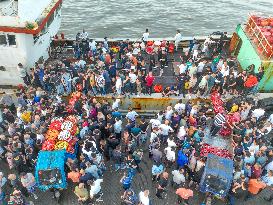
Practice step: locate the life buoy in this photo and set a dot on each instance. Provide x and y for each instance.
(158, 88)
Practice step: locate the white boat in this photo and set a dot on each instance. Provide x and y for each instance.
(26, 30)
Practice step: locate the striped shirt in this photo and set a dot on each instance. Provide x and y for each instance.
(219, 120)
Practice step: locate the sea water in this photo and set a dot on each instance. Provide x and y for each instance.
(130, 18)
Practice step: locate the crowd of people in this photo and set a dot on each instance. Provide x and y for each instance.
(172, 139)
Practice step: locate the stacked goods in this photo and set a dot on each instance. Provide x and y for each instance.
(261, 29)
(208, 149)
(217, 103)
(218, 107)
(61, 135)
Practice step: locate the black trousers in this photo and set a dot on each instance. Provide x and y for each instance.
(159, 193)
(214, 130)
(133, 88)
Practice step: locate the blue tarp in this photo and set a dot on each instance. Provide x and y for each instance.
(217, 176)
(49, 170)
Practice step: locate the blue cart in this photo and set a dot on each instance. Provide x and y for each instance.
(50, 170)
(217, 176)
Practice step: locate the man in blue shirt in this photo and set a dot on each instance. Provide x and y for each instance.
(182, 159)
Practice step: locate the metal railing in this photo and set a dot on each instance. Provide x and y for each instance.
(11, 9)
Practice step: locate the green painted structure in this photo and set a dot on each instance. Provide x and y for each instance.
(248, 55)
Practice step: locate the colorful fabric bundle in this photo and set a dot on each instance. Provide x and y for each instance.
(225, 131)
(65, 136)
(26, 116)
(115, 49)
(207, 149)
(48, 145)
(217, 102)
(149, 50)
(150, 43)
(67, 125)
(52, 134)
(56, 125)
(61, 145)
(158, 88)
(62, 134)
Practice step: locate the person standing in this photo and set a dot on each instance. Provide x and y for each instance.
(145, 36)
(23, 74)
(28, 181)
(162, 184)
(152, 61)
(184, 195)
(219, 121)
(144, 197)
(118, 85)
(107, 78)
(101, 84)
(162, 58)
(177, 39)
(81, 192)
(66, 81)
(149, 82)
(165, 131)
(133, 78)
(178, 177)
(131, 115)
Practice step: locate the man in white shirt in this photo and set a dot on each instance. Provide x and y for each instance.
(131, 115)
(178, 177)
(169, 113)
(179, 107)
(268, 178)
(118, 85)
(118, 127)
(155, 123)
(269, 166)
(84, 35)
(183, 68)
(133, 78)
(225, 69)
(144, 197)
(95, 188)
(200, 67)
(116, 104)
(93, 45)
(145, 35)
(177, 39)
(257, 113)
(171, 142)
(170, 155)
(165, 130)
(207, 42)
(153, 136)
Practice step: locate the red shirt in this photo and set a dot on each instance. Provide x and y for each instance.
(150, 80)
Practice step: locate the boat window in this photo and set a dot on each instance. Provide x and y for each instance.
(3, 39)
(11, 39)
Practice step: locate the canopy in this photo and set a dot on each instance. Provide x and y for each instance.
(217, 176)
(49, 170)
